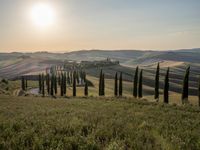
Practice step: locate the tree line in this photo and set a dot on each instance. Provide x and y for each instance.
(53, 81)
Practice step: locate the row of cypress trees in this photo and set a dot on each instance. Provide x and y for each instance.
(185, 88)
(118, 85)
(137, 83)
(53, 81)
(118, 90)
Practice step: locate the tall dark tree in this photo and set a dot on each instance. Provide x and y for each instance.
(77, 77)
(185, 86)
(48, 83)
(23, 83)
(71, 77)
(86, 85)
(100, 83)
(103, 85)
(140, 85)
(55, 84)
(156, 96)
(116, 85)
(26, 84)
(52, 85)
(65, 84)
(61, 85)
(86, 88)
(74, 83)
(199, 91)
(135, 83)
(166, 87)
(84, 76)
(40, 83)
(120, 85)
(68, 78)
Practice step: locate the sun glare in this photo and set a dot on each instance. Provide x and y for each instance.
(42, 15)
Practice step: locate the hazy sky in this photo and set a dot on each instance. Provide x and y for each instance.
(101, 24)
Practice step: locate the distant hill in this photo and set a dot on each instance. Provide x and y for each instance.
(189, 55)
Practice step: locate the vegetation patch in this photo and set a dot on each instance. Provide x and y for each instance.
(96, 123)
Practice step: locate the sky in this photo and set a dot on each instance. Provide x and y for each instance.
(100, 24)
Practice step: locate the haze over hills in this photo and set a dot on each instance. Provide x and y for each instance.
(189, 55)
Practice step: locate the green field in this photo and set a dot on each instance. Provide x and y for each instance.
(96, 123)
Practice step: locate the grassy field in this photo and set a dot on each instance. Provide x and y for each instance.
(96, 123)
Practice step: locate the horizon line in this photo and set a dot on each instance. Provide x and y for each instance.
(69, 51)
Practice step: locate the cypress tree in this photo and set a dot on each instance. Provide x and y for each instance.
(43, 88)
(40, 84)
(100, 83)
(166, 87)
(61, 86)
(52, 85)
(199, 91)
(140, 85)
(23, 83)
(74, 84)
(26, 84)
(86, 88)
(135, 83)
(71, 77)
(64, 84)
(103, 85)
(77, 77)
(84, 77)
(185, 86)
(55, 84)
(116, 85)
(48, 83)
(156, 96)
(68, 78)
(120, 85)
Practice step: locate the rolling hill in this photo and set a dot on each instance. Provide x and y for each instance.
(13, 65)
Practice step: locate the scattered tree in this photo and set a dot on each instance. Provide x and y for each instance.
(86, 88)
(116, 85)
(52, 85)
(156, 96)
(103, 85)
(166, 87)
(40, 84)
(100, 83)
(43, 87)
(23, 83)
(140, 85)
(64, 84)
(55, 84)
(135, 83)
(48, 83)
(185, 86)
(199, 91)
(74, 84)
(61, 86)
(120, 85)
(26, 84)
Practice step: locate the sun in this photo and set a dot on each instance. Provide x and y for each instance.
(43, 14)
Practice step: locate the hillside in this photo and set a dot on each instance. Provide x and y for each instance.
(17, 64)
(96, 123)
